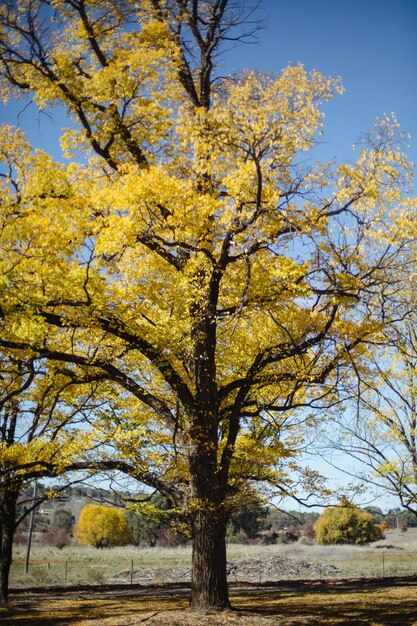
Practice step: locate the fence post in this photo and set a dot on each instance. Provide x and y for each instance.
(131, 572)
(383, 566)
(31, 523)
(66, 574)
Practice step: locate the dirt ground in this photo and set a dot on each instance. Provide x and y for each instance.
(361, 606)
(270, 567)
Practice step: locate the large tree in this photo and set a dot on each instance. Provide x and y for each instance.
(196, 259)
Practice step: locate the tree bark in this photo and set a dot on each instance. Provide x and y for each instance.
(7, 529)
(209, 589)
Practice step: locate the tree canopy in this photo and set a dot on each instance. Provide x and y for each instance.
(192, 258)
(346, 524)
(102, 526)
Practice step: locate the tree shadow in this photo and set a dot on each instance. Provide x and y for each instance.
(70, 611)
(359, 607)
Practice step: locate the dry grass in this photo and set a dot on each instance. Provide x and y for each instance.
(83, 564)
(378, 607)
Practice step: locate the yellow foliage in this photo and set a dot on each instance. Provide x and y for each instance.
(102, 526)
(191, 264)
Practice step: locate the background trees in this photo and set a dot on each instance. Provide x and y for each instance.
(196, 266)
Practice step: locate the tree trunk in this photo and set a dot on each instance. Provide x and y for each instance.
(209, 590)
(7, 528)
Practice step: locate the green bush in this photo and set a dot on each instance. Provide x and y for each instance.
(346, 524)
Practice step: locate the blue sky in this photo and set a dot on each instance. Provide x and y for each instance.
(371, 44)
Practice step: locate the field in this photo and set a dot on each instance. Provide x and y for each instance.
(395, 555)
(384, 604)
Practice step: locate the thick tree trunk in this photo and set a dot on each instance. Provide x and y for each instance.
(7, 528)
(209, 590)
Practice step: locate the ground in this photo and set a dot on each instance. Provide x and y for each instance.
(362, 606)
(390, 602)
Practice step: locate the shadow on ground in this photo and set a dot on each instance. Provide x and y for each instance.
(72, 611)
(385, 606)
(380, 607)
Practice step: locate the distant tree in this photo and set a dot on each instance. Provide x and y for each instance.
(102, 526)
(63, 518)
(150, 521)
(142, 530)
(376, 513)
(346, 524)
(283, 519)
(394, 516)
(58, 537)
(249, 519)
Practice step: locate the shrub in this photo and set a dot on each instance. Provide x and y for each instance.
(287, 536)
(102, 526)
(384, 526)
(346, 524)
(58, 537)
(308, 531)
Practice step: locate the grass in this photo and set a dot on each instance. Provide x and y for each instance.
(83, 564)
(376, 607)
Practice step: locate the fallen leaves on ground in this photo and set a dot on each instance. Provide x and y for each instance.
(384, 606)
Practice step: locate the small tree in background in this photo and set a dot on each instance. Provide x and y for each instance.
(102, 526)
(248, 520)
(63, 518)
(346, 524)
(150, 522)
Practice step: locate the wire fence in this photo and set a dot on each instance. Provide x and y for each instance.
(262, 569)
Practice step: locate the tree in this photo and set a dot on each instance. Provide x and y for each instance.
(147, 520)
(102, 526)
(346, 524)
(63, 518)
(39, 437)
(381, 434)
(192, 259)
(249, 519)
